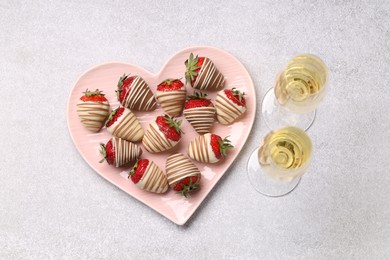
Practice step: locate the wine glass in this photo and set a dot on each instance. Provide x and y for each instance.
(275, 168)
(299, 89)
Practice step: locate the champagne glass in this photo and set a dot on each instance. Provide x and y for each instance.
(275, 168)
(299, 89)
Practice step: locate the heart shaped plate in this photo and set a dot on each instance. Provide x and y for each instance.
(105, 77)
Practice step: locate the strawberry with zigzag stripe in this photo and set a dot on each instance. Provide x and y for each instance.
(162, 134)
(201, 73)
(148, 176)
(124, 124)
(134, 93)
(183, 176)
(119, 152)
(209, 148)
(199, 112)
(93, 109)
(171, 94)
(230, 105)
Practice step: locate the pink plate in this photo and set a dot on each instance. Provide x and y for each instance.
(105, 77)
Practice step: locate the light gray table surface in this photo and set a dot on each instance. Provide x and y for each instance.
(53, 205)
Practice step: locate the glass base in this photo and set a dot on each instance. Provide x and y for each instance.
(276, 116)
(265, 184)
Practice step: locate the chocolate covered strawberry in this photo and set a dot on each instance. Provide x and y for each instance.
(148, 176)
(208, 148)
(93, 109)
(171, 94)
(124, 124)
(134, 93)
(183, 176)
(119, 152)
(201, 73)
(162, 134)
(199, 112)
(230, 104)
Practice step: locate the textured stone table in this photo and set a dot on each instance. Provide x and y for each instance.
(52, 204)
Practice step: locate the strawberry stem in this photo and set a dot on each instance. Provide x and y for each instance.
(112, 114)
(191, 67)
(132, 171)
(120, 84)
(169, 81)
(197, 95)
(174, 123)
(225, 145)
(238, 93)
(103, 152)
(89, 93)
(188, 188)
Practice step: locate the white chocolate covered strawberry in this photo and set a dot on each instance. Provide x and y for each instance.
(183, 176)
(208, 148)
(124, 124)
(119, 152)
(93, 110)
(201, 73)
(199, 112)
(171, 94)
(230, 104)
(162, 134)
(135, 94)
(148, 176)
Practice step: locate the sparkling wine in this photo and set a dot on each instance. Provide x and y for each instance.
(300, 87)
(285, 153)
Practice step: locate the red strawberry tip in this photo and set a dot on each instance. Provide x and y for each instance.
(170, 84)
(186, 189)
(236, 96)
(198, 99)
(220, 146)
(93, 96)
(238, 93)
(133, 169)
(138, 170)
(120, 84)
(174, 123)
(169, 127)
(108, 153)
(169, 81)
(110, 118)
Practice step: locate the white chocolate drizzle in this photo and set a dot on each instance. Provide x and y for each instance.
(93, 114)
(140, 97)
(227, 110)
(153, 180)
(179, 167)
(209, 77)
(172, 101)
(125, 151)
(127, 127)
(200, 149)
(155, 141)
(201, 118)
